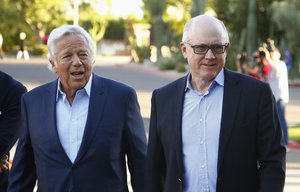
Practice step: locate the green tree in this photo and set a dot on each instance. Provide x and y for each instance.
(286, 15)
(95, 23)
(156, 9)
(41, 16)
(167, 18)
(9, 24)
(234, 13)
(198, 7)
(251, 27)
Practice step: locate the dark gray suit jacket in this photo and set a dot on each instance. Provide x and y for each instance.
(250, 135)
(114, 128)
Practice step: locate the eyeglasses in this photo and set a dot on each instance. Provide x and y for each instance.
(202, 49)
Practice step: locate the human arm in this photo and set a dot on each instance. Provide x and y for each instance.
(271, 152)
(238, 63)
(23, 174)
(136, 143)
(4, 164)
(10, 114)
(155, 169)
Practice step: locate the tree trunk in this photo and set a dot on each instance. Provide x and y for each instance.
(198, 7)
(157, 9)
(251, 29)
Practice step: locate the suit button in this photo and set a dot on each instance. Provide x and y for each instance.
(179, 179)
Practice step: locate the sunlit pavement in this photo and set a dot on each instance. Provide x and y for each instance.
(292, 182)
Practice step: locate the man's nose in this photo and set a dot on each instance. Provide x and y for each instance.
(209, 54)
(76, 60)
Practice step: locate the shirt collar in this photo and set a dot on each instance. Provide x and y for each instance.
(219, 80)
(86, 88)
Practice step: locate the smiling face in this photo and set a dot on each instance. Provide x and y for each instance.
(73, 62)
(205, 31)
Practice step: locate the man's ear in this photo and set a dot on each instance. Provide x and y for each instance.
(183, 50)
(52, 65)
(227, 48)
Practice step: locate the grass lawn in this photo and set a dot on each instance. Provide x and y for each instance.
(294, 133)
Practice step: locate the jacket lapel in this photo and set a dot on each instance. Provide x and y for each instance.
(230, 104)
(49, 103)
(177, 112)
(96, 108)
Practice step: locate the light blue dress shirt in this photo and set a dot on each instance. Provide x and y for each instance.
(71, 120)
(201, 124)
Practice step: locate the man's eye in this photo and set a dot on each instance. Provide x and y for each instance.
(83, 55)
(66, 56)
(218, 47)
(201, 48)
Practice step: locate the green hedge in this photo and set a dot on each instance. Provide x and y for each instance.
(39, 50)
(294, 133)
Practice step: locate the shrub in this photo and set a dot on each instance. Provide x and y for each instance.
(167, 63)
(39, 50)
(176, 61)
(181, 67)
(142, 53)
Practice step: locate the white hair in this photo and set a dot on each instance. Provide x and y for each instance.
(190, 24)
(64, 30)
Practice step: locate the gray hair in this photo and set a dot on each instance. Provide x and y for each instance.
(58, 33)
(188, 26)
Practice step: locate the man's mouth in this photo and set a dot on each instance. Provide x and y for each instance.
(77, 73)
(209, 65)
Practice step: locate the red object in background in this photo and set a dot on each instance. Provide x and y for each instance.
(45, 39)
(294, 145)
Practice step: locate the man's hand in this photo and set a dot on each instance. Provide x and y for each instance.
(4, 164)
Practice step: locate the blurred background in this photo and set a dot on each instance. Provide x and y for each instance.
(150, 30)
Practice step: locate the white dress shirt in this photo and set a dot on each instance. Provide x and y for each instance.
(71, 120)
(279, 82)
(201, 124)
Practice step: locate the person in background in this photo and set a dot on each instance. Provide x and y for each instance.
(278, 80)
(288, 60)
(214, 129)
(10, 117)
(2, 55)
(78, 130)
(243, 67)
(22, 48)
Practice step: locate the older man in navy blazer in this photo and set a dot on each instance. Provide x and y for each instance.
(10, 116)
(213, 130)
(78, 130)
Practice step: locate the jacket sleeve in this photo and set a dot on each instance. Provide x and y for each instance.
(270, 147)
(23, 174)
(10, 115)
(136, 143)
(155, 162)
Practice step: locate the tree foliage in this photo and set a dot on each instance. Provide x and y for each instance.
(41, 16)
(34, 17)
(167, 18)
(9, 24)
(286, 16)
(238, 19)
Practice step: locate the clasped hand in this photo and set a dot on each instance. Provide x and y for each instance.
(4, 164)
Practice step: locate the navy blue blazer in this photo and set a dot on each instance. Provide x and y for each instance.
(250, 135)
(10, 117)
(114, 129)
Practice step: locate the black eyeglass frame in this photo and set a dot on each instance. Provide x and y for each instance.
(211, 47)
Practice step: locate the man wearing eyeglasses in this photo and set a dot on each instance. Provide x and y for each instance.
(214, 129)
